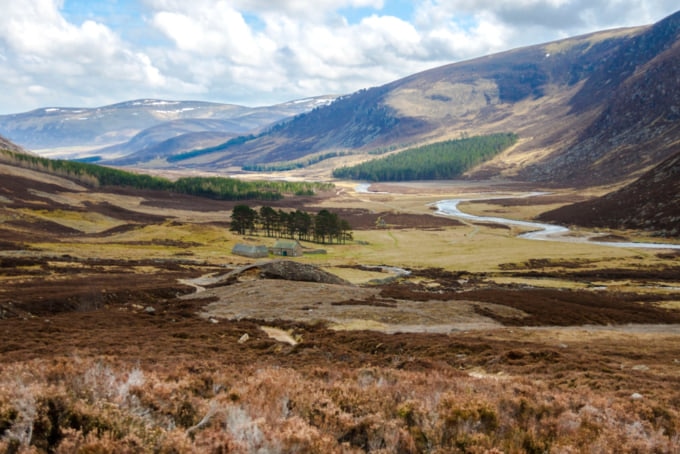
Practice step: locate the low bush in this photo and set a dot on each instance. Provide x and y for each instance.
(97, 406)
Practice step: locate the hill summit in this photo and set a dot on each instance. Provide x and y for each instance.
(589, 110)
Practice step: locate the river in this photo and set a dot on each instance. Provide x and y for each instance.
(540, 231)
(537, 230)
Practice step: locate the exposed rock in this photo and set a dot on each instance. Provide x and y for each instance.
(287, 270)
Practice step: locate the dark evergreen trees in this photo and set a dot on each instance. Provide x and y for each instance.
(213, 187)
(243, 219)
(437, 161)
(268, 220)
(324, 227)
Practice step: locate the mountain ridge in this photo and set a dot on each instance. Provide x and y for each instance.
(502, 92)
(572, 102)
(108, 129)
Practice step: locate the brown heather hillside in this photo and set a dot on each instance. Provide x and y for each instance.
(525, 91)
(650, 203)
(590, 110)
(636, 92)
(7, 145)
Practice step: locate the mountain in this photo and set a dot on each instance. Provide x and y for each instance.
(635, 95)
(121, 129)
(594, 109)
(591, 110)
(650, 203)
(169, 138)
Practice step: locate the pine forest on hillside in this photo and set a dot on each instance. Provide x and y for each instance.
(437, 161)
(219, 188)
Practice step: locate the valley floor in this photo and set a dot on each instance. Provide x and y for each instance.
(115, 341)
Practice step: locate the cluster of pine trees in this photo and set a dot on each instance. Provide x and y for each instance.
(323, 227)
(213, 187)
(437, 161)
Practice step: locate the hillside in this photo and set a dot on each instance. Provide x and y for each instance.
(7, 145)
(588, 110)
(169, 138)
(638, 123)
(651, 203)
(525, 91)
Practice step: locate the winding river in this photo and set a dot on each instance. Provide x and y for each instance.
(537, 230)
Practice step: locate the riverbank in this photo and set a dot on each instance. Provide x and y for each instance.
(542, 231)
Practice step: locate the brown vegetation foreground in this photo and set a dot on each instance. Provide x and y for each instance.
(103, 349)
(135, 369)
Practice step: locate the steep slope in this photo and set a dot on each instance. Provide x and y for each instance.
(526, 91)
(7, 145)
(651, 203)
(636, 91)
(155, 141)
(351, 121)
(595, 109)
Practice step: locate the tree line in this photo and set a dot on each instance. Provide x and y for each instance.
(437, 161)
(323, 227)
(220, 188)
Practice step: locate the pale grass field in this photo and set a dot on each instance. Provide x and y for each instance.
(473, 248)
(85, 222)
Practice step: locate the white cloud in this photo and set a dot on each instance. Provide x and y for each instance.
(266, 51)
(60, 62)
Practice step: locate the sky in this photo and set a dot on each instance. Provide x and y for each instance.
(89, 53)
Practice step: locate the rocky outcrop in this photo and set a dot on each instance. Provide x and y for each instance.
(287, 270)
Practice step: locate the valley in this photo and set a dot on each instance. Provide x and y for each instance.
(119, 314)
(525, 300)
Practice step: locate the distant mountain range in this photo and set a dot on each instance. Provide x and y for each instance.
(146, 126)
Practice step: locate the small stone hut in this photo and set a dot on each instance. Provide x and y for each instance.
(287, 248)
(252, 251)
